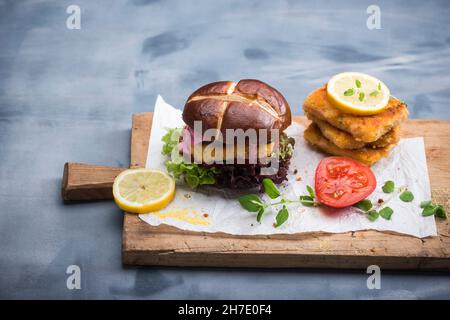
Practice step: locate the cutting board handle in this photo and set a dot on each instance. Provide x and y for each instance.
(87, 182)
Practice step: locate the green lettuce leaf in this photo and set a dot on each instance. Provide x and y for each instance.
(193, 174)
(171, 140)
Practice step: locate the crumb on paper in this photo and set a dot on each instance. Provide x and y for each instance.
(295, 171)
(380, 201)
(206, 215)
(298, 178)
(187, 195)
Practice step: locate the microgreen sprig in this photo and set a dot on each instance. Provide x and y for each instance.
(373, 211)
(380, 209)
(429, 209)
(253, 203)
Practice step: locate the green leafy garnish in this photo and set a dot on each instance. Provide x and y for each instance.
(254, 203)
(429, 209)
(406, 196)
(282, 216)
(349, 92)
(379, 86)
(171, 140)
(251, 202)
(386, 213)
(361, 96)
(364, 205)
(374, 93)
(424, 204)
(270, 188)
(260, 215)
(307, 201)
(286, 146)
(440, 212)
(358, 83)
(193, 174)
(311, 192)
(372, 215)
(388, 187)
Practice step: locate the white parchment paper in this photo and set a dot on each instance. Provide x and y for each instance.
(212, 210)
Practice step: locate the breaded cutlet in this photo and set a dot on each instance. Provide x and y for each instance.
(362, 128)
(367, 156)
(344, 140)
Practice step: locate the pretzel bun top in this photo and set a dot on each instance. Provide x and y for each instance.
(248, 104)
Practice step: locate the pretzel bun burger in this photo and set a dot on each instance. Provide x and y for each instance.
(233, 138)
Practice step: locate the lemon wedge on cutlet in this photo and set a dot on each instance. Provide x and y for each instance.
(143, 190)
(357, 93)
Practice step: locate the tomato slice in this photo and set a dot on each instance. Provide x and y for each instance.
(341, 182)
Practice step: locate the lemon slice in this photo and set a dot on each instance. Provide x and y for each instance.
(143, 190)
(358, 93)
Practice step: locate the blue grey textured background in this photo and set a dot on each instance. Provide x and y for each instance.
(68, 95)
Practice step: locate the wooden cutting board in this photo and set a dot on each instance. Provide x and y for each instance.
(144, 244)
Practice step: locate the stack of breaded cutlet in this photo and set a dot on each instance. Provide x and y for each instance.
(364, 138)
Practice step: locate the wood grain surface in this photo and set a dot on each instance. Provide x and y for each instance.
(164, 245)
(87, 182)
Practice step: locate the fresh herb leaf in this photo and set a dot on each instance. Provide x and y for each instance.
(358, 83)
(388, 187)
(424, 204)
(282, 216)
(374, 93)
(406, 196)
(429, 210)
(311, 192)
(307, 201)
(372, 215)
(260, 215)
(379, 86)
(440, 212)
(251, 202)
(270, 188)
(386, 213)
(349, 92)
(364, 205)
(361, 96)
